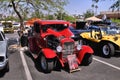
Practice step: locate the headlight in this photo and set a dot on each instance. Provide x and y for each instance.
(59, 48)
(79, 47)
(72, 36)
(44, 38)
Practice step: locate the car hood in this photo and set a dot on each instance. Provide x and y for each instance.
(2, 48)
(66, 32)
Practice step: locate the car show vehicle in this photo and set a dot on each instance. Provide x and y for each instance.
(107, 39)
(50, 43)
(77, 28)
(8, 27)
(4, 64)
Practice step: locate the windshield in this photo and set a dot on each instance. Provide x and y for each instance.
(112, 31)
(7, 25)
(56, 27)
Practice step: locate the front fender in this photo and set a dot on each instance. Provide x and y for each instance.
(49, 53)
(85, 50)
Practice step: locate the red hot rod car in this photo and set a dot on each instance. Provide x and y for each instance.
(50, 42)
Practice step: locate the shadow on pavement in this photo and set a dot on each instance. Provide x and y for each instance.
(2, 73)
(37, 63)
(117, 55)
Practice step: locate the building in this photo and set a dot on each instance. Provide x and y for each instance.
(110, 14)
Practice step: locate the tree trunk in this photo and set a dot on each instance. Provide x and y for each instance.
(21, 21)
(20, 17)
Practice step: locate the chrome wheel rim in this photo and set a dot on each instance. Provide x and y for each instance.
(106, 50)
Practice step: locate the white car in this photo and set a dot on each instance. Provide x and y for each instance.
(4, 64)
(1, 28)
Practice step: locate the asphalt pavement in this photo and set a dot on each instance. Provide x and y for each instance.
(100, 69)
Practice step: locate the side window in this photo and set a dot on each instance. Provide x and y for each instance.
(37, 27)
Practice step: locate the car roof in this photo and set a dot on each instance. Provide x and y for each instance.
(43, 22)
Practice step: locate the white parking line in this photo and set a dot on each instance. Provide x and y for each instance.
(113, 66)
(27, 72)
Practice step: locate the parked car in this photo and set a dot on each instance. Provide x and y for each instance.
(51, 43)
(8, 27)
(4, 63)
(107, 39)
(77, 28)
(1, 27)
(24, 36)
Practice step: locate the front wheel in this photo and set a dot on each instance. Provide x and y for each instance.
(87, 59)
(46, 64)
(108, 50)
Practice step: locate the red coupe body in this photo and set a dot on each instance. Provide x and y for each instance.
(51, 43)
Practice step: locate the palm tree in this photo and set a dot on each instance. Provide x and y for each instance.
(96, 7)
(93, 7)
(116, 6)
(95, 1)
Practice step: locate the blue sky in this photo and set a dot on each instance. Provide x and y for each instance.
(80, 6)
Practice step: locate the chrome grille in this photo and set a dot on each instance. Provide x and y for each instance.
(68, 48)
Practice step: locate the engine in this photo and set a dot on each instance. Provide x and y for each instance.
(52, 42)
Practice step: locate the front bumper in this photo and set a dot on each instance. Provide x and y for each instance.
(8, 31)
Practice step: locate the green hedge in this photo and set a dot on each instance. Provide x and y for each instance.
(116, 21)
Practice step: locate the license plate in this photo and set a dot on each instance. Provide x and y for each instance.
(72, 61)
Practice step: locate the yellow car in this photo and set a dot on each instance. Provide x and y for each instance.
(8, 28)
(106, 40)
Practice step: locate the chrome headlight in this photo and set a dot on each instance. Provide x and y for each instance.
(79, 47)
(59, 49)
(72, 36)
(44, 38)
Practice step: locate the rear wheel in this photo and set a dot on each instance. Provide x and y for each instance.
(87, 59)
(108, 50)
(46, 64)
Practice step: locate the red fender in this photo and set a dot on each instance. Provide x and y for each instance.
(49, 53)
(85, 50)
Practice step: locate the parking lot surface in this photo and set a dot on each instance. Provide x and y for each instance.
(100, 69)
